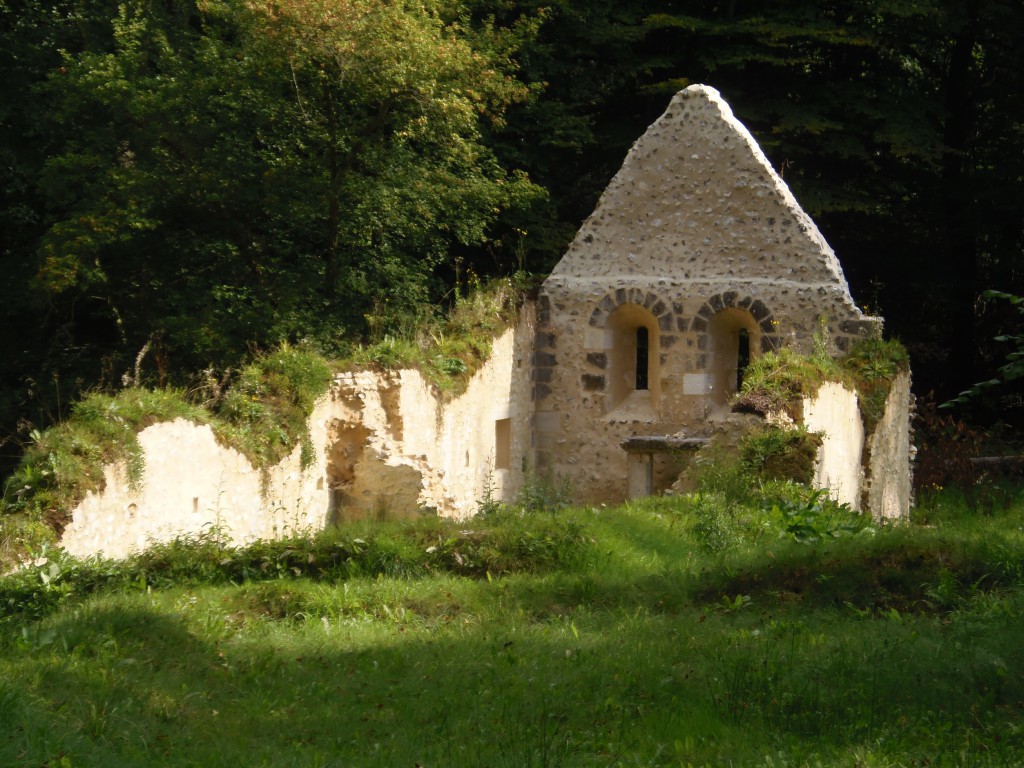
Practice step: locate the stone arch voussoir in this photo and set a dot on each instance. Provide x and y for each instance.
(763, 316)
(662, 309)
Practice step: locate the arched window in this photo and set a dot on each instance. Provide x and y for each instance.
(732, 338)
(742, 356)
(634, 360)
(642, 358)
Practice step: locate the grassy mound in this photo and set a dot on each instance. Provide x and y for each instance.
(801, 636)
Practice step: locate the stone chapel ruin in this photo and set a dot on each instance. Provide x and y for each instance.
(696, 260)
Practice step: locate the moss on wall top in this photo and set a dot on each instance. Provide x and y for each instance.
(260, 410)
(778, 381)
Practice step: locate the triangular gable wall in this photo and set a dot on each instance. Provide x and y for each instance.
(697, 202)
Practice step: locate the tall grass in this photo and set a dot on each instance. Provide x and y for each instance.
(609, 637)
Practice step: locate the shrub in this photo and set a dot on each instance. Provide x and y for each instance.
(265, 412)
(808, 515)
(777, 453)
(715, 527)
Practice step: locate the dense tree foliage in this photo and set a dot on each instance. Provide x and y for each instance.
(208, 177)
(195, 178)
(899, 126)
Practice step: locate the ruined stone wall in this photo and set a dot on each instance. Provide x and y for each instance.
(700, 243)
(191, 483)
(398, 430)
(384, 444)
(835, 414)
(870, 474)
(891, 449)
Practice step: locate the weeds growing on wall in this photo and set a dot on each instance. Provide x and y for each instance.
(448, 349)
(778, 381)
(264, 413)
(261, 410)
(871, 366)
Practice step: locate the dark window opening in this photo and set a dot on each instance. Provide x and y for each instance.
(641, 358)
(743, 357)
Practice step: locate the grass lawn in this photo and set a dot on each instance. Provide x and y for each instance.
(652, 635)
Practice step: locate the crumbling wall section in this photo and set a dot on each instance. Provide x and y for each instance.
(384, 444)
(834, 413)
(890, 452)
(869, 472)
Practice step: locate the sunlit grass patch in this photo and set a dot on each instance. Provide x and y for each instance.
(626, 642)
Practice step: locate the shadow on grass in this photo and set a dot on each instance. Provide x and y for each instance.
(129, 681)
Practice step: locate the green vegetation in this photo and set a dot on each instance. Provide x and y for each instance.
(448, 349)
(586, 637)
(774, 453)
(871, 365)
(778, 381)
(261, 410)
(265, 410)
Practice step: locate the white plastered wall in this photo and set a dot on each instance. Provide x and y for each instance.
(891, 454)
(873, 471)
(411, 450)
(834, 414)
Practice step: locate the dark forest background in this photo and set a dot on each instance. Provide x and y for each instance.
(199, 180)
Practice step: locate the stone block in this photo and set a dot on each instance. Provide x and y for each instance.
(696, 384)
(544, 340)
(860, 327)
(547, 422)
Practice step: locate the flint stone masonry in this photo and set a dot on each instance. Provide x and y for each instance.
(698, 241)
(697, 260)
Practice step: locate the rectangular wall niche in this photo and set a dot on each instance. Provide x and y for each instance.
(503, 444)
